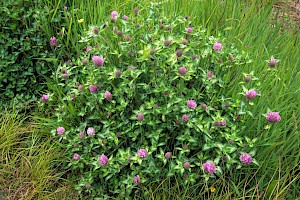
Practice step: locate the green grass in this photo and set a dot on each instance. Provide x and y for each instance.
(26, 161)
(241, 22)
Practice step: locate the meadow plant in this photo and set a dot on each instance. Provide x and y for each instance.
(141, 106)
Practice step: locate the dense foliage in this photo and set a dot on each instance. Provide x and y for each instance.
(147, 100)
(26, 54)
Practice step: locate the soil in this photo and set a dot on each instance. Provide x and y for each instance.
(288, 13)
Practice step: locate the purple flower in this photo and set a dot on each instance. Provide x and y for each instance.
(114, 14)
(273, 117)
(209, 167)
(60, 130)
(103, 160)
(88, 49)
(204, 106)
(45, 98)
(217, 46)
(185, 118)
(230, 57)
(140, 117)
(81, 134)
(127, 38)
(272, 62)
(118, 73)
(65, 8)
(108, 96)
(93, 88)
(88, 185)
(246, 158)
(223, 122)
(195, 56)
(68, 62)
(247, 79)
(91, 131)
(184, 41)
(136, 179)
(95, 30)
(98, 61)
(142, 153)
(65, 75)
(251, 94)
(136, 10)
(80, 87)
(179, 53)
(167, 42)
(53, 41)
(119, 33)
(191, 104)
(182, 70)
(210, 75)
(186, 165)
(72, 96)
(168, 155)
(189, 30)
(76, 156)
(216, 123)
(125, 17)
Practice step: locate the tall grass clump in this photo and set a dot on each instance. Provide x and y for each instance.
(26, 161)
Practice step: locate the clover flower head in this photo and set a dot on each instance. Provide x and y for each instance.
(223, 122)
(191, 104)
(136, 10)
(210, 75)
(81, 134)
(182, 70)
(108, 95)
(91, 131)
(186, 165)
(93, 88)
(103, 160)
(53, 41)
(247, 79)
(114, 14)
(76, 156)
(272, 62)
(184, 41)
(246, 158)
(217, 46)
(60, 130)
(189, 30)
(136, 179)
(98, 61)
(251, 94)
(88, 49)
(168, 155)
(179, 53)
(142, 153)
(273, 117)
(209, 167)
(45, 98)
(125, 17)
(140, 116)
(185, 118)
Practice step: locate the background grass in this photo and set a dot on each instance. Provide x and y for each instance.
(26, 161)
(245, 23)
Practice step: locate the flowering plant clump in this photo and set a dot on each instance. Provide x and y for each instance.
(140, 110)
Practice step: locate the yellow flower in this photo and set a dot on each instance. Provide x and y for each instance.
(80, 21)
(212, 189)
